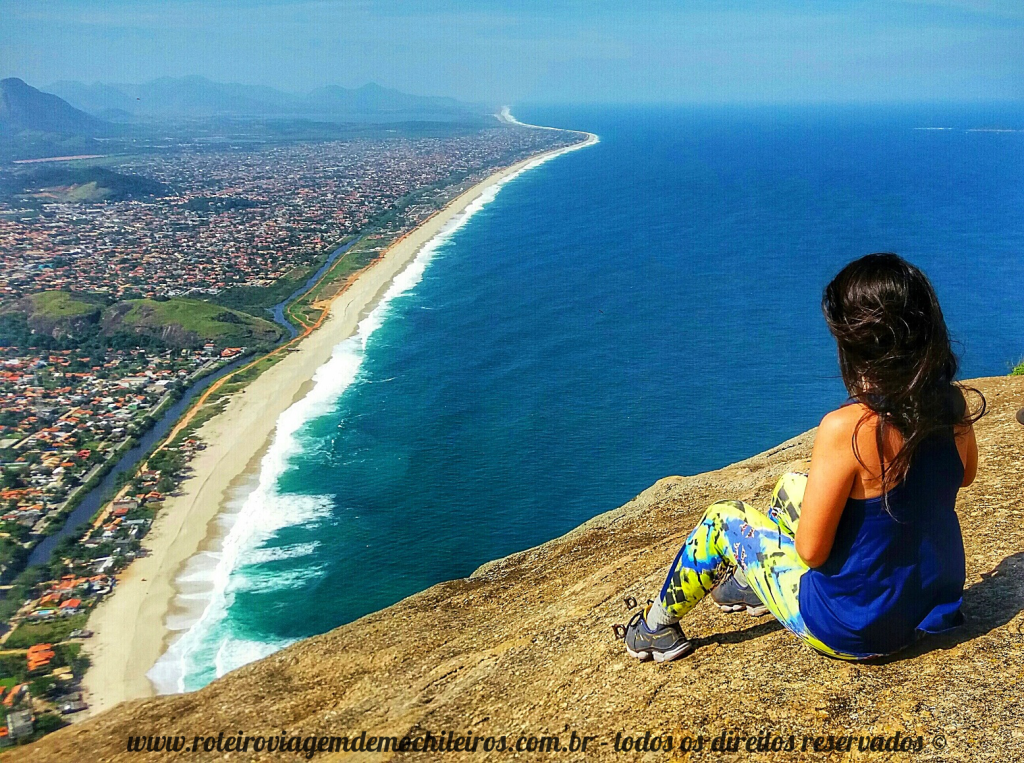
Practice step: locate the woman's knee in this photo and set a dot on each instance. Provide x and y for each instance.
(788, 499)
(791, 484)
(723, 526)
(722, 511)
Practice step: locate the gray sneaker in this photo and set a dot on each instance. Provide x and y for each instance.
(667, 642)
(733, 596)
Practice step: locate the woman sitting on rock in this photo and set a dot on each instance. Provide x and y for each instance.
(863, 555)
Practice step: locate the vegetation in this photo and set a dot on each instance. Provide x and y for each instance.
(27, 634)
(68, 182)
(63, 304)
(60, 320)
(184, 322)
(12, 667)
(14, 671)
(13, 554)
(21, 589)
(303, 312)
(256, 300)
(48, 722)
(50, 318)
(31, 144)
(167, 462)
(16, 331)
(1018, 370)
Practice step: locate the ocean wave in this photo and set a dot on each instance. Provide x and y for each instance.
(256, 578)
(265, 511)
(233, 653)
(281, 553)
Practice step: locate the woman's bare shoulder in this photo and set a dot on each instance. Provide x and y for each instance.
(844, 420)
(854, 422)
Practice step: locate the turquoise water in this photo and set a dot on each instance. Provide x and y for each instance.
(643, 307)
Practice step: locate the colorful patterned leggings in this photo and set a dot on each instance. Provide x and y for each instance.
(734, 534)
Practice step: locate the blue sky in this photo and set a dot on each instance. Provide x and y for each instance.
(775, 51)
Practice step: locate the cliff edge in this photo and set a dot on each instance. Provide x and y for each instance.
(524, 647)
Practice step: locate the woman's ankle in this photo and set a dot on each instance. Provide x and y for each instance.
(657, 616)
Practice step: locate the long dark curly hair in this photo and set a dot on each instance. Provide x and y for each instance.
(895, 356)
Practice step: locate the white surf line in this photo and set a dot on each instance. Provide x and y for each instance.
(506, 116)
(265, 510)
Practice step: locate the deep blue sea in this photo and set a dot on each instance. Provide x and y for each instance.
(643, 307)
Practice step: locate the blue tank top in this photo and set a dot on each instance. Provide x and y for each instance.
(892, 576)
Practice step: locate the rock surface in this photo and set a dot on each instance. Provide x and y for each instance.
(524, 646)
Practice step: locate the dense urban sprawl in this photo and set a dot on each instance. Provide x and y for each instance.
(236, 218)
(229, 219)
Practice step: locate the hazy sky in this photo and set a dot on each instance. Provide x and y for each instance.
(537, 50)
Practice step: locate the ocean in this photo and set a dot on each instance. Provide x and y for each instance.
(643, 307)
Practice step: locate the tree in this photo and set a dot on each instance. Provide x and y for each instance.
(79, 665)
(48, 722)
(42, 687)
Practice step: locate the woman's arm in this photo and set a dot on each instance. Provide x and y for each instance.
(967, 445)
(833, 469)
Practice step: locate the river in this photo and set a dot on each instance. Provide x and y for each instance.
(95, 498)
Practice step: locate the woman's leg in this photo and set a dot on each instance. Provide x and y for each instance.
(733, 594)
(784, 511)
(787, 501)
(732, 534)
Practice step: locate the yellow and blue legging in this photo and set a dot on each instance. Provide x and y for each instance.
(733, 534)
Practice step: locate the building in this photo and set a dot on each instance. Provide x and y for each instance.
(20, 724)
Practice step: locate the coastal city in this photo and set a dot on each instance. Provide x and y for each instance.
(115, 303)
(233, 219)
(528, 381)
(65, 415)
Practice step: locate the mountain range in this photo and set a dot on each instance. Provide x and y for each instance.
(195, 96)
(23, 107)
(74, 118)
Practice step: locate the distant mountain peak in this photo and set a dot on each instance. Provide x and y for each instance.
(23, 107)
(197, 96)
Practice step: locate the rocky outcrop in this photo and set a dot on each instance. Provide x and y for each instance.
(524, 646)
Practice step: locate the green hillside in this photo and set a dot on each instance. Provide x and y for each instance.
(60, 313)
(183, 322)
(56, 305)
(61, 319)
(78, 184)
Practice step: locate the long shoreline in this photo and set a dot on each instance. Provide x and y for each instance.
(130, 625)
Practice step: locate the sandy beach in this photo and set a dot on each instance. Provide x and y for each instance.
(130, 625)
